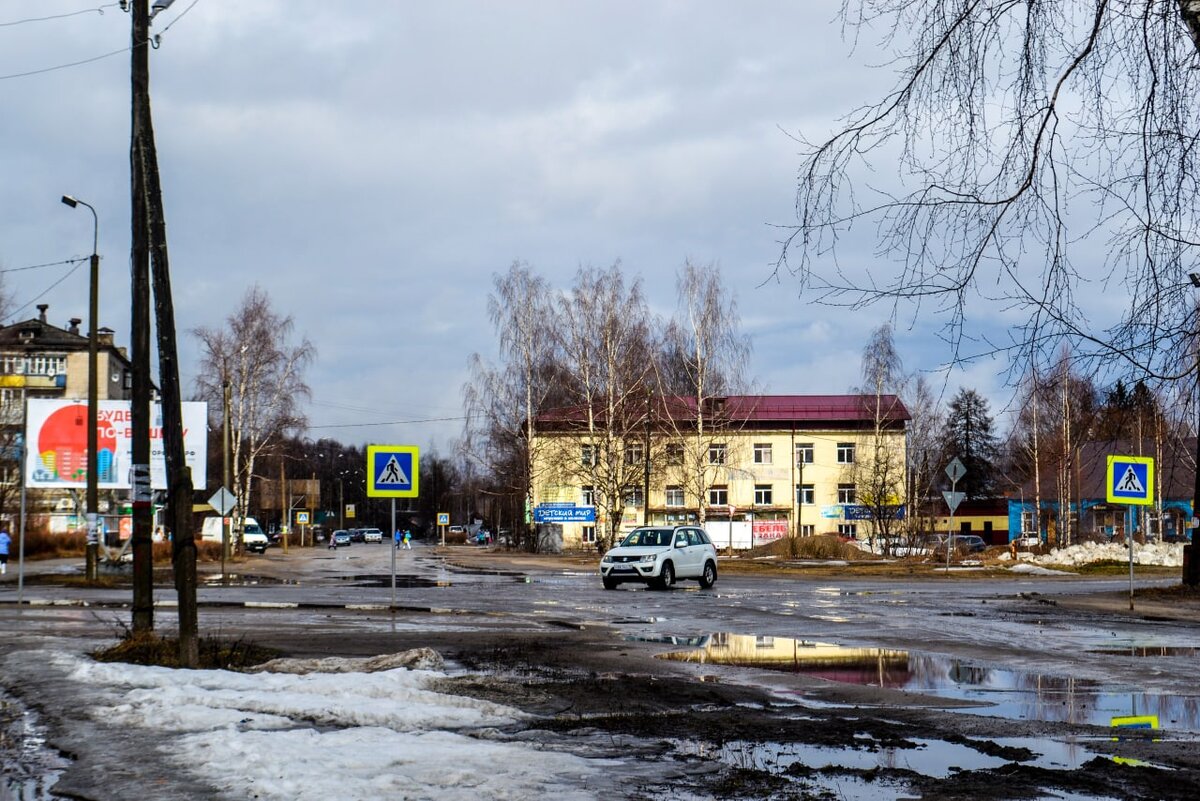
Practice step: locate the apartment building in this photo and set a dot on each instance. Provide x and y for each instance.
(751, 468)
(41, 360)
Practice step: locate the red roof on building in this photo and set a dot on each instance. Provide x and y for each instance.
(783, 409)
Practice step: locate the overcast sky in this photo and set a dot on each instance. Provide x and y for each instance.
(373, 164)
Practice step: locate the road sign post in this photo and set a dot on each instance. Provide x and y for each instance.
(955, 470)
(1130, 480)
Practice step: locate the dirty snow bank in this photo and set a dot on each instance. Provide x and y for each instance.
(331, 734)
(1163, 554)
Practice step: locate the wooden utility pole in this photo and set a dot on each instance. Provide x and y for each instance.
(179, 476)
(143, 560)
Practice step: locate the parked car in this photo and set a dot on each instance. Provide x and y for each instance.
(341, 538)
(1028, 541)
(357, 535)
(372, 535)
(961, 543)
(659, 556)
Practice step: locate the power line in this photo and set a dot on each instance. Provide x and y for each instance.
(45, 292)
(75, 260)
(63, 66)
(392, 423)
(97, 10)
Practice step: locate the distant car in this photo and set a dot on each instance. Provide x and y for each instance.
(371, 535)
(357, 535)
(341, 537)
(1028, 541)
(458, 530)
(962, 544)
(659, 555)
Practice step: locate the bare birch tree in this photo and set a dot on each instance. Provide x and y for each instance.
(608, 340)
(504, 400)
(1037, 148)
(265, 370)
(878, 474)
(704, 359)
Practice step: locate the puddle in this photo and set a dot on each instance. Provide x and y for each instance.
(1148, 651)
(236, 580)
(403, 581)
(1014, 694)
(696, 642)
(28, 768)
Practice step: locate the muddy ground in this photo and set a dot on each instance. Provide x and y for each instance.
(738, 733)
(716, 727)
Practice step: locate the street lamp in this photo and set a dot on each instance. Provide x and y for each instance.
(93, 538)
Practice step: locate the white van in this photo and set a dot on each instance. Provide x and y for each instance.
(253, 537)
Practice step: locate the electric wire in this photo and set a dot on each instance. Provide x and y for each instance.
(391, 423)
(47, 264)
(97, 10)
(44, 70)
(46, 291)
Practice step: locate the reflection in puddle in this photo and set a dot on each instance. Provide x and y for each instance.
(402, 581)
(1148, 651)
(1008, 693)
(28, 768)
(239, 580)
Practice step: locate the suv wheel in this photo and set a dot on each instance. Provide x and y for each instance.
(609, 584)
(667, 577)
(709, 576)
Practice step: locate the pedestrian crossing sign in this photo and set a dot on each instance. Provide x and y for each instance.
(392, 471)
(1130, 479)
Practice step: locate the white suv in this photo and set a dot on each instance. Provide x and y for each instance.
(372, 535)
(659, 555)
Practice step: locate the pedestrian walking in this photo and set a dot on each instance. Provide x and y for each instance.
(5, 542)
(407, 539)
(397, 537)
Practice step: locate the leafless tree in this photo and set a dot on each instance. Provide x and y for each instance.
(607, 336)
(1040, 147)
(924, 455)
(878, 474)
(704, 359)
(254, 352)
(504, 400)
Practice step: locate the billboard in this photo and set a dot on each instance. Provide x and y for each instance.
(57, 456)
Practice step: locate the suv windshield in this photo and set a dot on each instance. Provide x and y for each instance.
(648, 537)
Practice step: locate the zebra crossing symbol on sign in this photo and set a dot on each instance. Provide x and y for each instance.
(1130, 480)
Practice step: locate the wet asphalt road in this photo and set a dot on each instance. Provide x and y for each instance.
(1009, 622)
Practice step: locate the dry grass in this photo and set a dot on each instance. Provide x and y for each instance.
(215, 653)
(821, 546)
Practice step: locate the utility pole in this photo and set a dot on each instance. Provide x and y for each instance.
(179, 476)
(225, 476)
(142, 500)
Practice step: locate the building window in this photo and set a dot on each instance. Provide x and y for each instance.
(717, 453)
(588, 494)
(718, 496)
(848, 529)
(633, 453)
(587, 455)
(845, 453)
(846, 493)
(1027, 524)
(589, 535)
(807, 530)
(762, 453)
(762, 495)
(805, 495)
(674, 454)
(634, 496)
(804, 453)
(674, 495)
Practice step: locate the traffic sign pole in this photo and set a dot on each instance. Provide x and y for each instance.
(393, 550)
